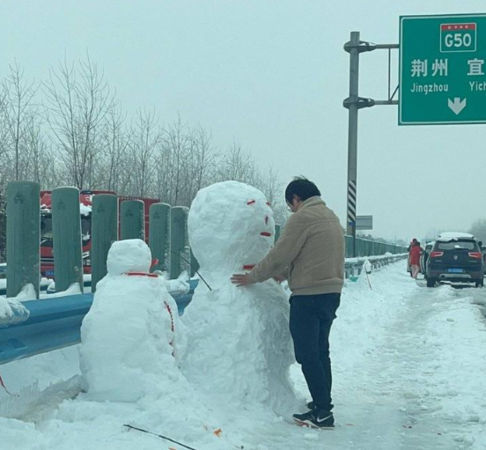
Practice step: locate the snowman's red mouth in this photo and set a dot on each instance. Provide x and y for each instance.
(265, 233)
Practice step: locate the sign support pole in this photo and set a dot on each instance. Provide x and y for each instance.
(353, 136)
(354, 103)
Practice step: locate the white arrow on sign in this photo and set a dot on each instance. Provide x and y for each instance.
(457, 105)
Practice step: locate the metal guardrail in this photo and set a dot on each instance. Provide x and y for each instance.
(354, 266)
(368, 248)
(52, 324)
(364, 247)
(55, 323)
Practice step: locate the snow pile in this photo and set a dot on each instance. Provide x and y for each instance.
(130, 335)
(367, 266)
(180, 286)
(454, 235)
(12, 311)
(74, 289)
(407, 364)
(132, 340)
(361, 325)
(454, 331)
(239, 345)
(27, 293)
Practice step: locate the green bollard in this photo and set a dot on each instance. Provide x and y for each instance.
(179, 254)
(277, 232)
(132, 217)
(104, 231)
(23, 236)
(66, 238)
(159, 235)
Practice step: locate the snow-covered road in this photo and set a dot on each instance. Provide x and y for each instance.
(409, 373)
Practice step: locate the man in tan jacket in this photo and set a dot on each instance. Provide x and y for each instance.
(310, 254)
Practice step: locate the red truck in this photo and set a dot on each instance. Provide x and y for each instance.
(86, 201)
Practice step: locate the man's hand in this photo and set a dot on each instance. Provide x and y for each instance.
(241, 279)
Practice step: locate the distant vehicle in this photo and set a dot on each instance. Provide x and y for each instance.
(425, 256)
(85, 200)
(455, 257)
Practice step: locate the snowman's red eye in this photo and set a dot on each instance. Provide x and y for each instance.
(269, 204)
(250, 202)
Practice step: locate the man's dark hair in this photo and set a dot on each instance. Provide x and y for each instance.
(302, 188)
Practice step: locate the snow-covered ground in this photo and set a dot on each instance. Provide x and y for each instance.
(409, 373)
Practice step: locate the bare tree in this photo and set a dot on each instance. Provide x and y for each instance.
(205, 157)
(3, 226)
(237, 165)
(42, 164)
(273, 189)
(240, 166)
(478, 229)
(145, 138)
(4, 143)
(18, 114)
(84, 140)
(175, 151)
(78, 100)
(112, 171)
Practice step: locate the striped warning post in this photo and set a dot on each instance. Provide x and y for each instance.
(351, 202)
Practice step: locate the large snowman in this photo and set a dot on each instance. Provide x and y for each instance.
(239, 344)
(131, 337)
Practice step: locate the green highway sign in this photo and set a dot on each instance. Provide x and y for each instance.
(442, 69)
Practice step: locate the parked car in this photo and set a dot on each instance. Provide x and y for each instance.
(455, 257)
(425, 256)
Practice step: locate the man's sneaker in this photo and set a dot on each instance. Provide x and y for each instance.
(315, 419)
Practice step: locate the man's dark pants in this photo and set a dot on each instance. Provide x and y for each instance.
(311, 317)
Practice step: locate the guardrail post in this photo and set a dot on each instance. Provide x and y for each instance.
(23, 236)
(104, 231)
(159, 235)
(179, 241)
(66, 238)
(132, 220)
(348, 242)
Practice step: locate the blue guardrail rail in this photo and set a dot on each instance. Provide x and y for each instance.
(53, 324)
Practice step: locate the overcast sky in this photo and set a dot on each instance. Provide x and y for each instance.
(272, 75)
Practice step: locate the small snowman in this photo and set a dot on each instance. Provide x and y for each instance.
(131, 335)
(239, 344)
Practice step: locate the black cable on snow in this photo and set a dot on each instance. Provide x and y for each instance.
(131, 427)
(189, 262)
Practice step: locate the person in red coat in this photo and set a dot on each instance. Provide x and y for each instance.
(415, 253)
